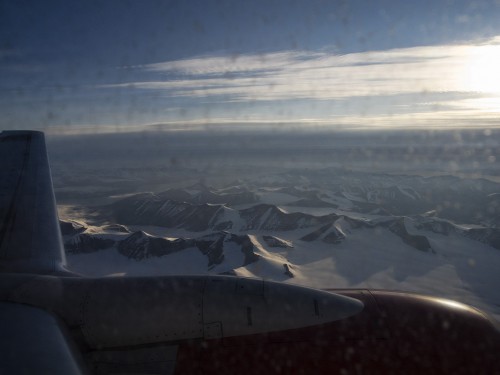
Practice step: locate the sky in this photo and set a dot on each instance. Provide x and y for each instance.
(100, 66)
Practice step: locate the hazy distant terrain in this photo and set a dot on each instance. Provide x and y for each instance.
(96, 166)
(415, 211)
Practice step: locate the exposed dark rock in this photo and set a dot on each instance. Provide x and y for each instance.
(71, 228)
(437, 226)
(87, 243)
(334, 236)
(313, 236)
(247, 247)
(116, 228)
(328, 233)
(419, 242)
(486, 235)
(140, 245)
(213, 247)
(357, 223)
(489, 236)
(270, 217)
(149, 209)
(288, 272)
(276, 242)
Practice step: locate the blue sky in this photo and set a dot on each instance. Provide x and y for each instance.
(101, 65)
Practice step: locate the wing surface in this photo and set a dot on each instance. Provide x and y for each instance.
(30, 237)
(33, 341)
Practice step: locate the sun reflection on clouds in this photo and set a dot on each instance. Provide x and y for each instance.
(324, 75)
(481, 71)
(436, 81)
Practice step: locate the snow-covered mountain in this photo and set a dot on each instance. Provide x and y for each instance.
(436, 235)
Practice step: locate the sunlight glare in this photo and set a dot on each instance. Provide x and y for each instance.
(482, 69)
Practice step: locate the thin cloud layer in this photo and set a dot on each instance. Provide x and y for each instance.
(451, 81)
(318, 75)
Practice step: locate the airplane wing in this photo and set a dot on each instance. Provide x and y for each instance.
(33, 341)
(30, 238)
(52, 324)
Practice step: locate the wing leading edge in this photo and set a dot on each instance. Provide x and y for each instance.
(30, 237)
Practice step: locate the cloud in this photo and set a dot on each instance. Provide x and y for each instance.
(417, 84)
(312, 75)
(221, 65)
